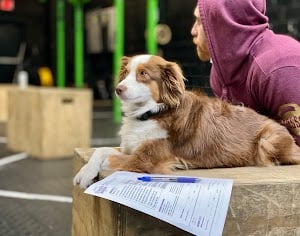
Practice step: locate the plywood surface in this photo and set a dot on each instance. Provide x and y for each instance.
(264, 201)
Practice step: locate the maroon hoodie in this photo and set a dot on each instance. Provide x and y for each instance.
(251, 64)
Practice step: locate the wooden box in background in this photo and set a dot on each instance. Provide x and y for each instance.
(52, 121)
(4, 88)
(19, 115)
(264, 201)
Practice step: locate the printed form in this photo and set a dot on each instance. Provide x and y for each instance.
(199, 208)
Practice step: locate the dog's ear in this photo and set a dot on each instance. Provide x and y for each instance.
(123, 70)
(173, 86)
(124, 61)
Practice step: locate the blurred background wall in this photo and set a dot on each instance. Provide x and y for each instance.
(33, 21)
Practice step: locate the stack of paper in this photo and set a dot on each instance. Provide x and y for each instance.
(199, 208)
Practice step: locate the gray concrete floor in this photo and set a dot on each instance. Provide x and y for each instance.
(29, 178)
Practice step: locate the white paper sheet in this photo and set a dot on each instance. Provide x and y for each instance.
(199, 208)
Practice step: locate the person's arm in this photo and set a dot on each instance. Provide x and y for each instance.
(281, 96)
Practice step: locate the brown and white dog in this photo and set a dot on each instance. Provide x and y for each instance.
(166, 127)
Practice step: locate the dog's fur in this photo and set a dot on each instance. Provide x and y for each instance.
(166, 127)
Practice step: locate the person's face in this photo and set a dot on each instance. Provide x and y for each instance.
(199, 38)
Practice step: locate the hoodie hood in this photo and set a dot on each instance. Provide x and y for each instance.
(232, 28)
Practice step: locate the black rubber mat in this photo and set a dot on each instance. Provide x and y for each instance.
(34, 176)
(34, 218)
(20, 217)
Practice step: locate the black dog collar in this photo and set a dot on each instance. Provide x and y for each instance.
(145, 116)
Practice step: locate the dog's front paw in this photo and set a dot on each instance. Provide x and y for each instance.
(85, 177)
(98, 162)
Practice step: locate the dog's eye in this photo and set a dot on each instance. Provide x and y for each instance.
(143, 73)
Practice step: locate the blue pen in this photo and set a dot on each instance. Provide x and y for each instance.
(169, 179)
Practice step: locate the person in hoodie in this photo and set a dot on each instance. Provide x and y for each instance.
(251, 65)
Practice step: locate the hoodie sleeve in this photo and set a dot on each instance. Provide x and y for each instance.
(281, 96)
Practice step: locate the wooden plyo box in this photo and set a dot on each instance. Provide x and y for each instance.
(264, 201)
(48, 123)
(19, 115)
(4, 88)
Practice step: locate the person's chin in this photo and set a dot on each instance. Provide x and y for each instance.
(202, 57)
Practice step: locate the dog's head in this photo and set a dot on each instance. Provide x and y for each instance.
(146, 77)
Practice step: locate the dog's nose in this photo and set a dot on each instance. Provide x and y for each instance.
(120, 89)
